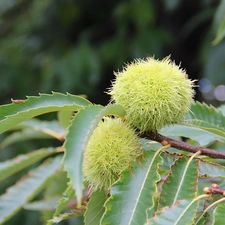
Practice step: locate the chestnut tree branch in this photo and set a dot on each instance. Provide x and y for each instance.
(218, 154)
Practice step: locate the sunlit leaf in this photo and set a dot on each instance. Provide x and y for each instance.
(25, 189)
(134, 192)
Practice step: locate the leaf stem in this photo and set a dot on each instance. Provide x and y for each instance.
(217, 154)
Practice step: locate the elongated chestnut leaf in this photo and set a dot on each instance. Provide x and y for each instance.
(12, 166)
(95, 208)
(182, 212)
(209, 169)
(25, 189)
(134, 193)
(181, 182)
(19, 111)
(199, 134)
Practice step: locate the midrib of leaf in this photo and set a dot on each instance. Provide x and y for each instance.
(133, 205)
(184, 173)
(188, 207)
(144, 182)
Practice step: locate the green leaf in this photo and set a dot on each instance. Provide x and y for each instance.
(15, 113)
(65, 118)
(24, 135)
(52, 128)
(222, 109)
(219, 23)
(214, 129)
(209, 114)
(80, 131)
(218, 214)
(134, 192)
(181, 182)
(209, 169)
(220, 33)
(48, 204)
(68, 195)
(183, 212)
(207, 118)
(24, 190)
(13, 166)
(203, 137)
(95, 208)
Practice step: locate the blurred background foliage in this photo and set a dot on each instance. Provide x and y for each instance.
(75, 45)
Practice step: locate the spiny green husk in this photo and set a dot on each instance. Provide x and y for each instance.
(154, 93)
(110, 149)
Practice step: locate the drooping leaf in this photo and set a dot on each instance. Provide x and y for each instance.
(13, 166)
(209, 169)
(134, 192)
(15, 113)
(95, 208)
(80, 131)
(181, 182)
(182, 212)
(24, 190)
